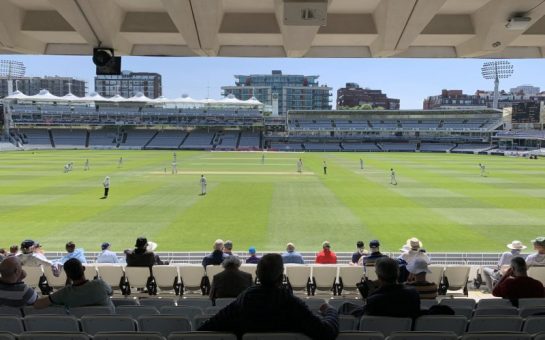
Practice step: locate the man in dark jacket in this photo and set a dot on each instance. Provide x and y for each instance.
(230, 282)
(271, 308)
(391, 298)
(140, 257)
(216, 257)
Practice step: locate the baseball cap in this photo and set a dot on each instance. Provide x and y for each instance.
(70, 246)
(228, 244)
(374, 244)
(105, 245)
(251, 250)
(418, 266)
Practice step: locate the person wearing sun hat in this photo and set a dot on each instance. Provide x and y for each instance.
(413, 251)
(493, 275)
(538, 258)
(140, 256)
(417, 279)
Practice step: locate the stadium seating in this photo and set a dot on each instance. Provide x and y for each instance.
(441, 323)
(65, 138)
(198, 140)
(249, 141)
(102, 139)
(137, 138)
(167, 139)
(384, 324)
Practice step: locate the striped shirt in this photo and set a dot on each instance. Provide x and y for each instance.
(426, 290)
(16, 294)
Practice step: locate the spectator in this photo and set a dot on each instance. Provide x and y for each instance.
(13, 291)
(72, 253)
(140, 256)
(493, 275)
(537, 259)
(414, 252)
(81, 292)
(391, 298)
(291, 256)
(13, 250)
(417, 279)
(216, 257)
(29, 257)
(253, 257)
(228, 248)
(370, 259)
(271, 308)
(357, 255)
(326, 256)
(230, 282)
(107, 256)
(516, 284)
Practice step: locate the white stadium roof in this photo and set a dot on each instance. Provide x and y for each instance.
(257, 28)
(45, 95)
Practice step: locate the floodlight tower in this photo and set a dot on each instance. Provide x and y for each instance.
(497, 69)
(10, 69)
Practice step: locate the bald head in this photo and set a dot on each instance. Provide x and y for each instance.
(11, 270)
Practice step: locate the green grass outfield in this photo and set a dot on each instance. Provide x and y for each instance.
(441, 199)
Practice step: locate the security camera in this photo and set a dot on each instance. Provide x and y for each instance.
(102, 56)
(106, 62)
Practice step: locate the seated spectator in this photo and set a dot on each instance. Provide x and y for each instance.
(516, 284)
(228, 248)
(140, 256)
(391, 298)
(414, 252)
(370, 259)
(417, 279)
(29, 257)
(230, 282)
(13, 291)
(537, 259)
(253, 257)
(216, 257)
(493, 275)
(291, 256)
(72, 253)
(357, 255)
(81, 292)
(271, 308)
(13, 250)
(326, 256)
(107, 256)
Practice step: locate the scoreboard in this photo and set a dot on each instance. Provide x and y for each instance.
(526, 112)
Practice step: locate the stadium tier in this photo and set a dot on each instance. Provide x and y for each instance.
(199, 125)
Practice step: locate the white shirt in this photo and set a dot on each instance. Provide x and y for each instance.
(106, 182)
(107, 256)
(536, 259)
(412, 255)
(505, 259)
(203, 181)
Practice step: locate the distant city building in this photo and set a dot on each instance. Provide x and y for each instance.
(289, 92)
(453, 99)
(525, 90)
(58, 86)
(128, 84)
(352, 95)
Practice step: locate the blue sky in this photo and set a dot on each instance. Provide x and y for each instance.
(410, 80)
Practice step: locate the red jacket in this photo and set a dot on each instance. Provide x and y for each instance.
(326, 256)
(514, 288)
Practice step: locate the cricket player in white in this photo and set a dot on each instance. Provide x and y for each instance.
(86, 166)
(203, 185)
(393, 180)
(120, 162)
(66, 168)
(174, 169)
(361, 163)
(106, 185)
(299, 165)
(483, 170)
(174, 156)
(262, 158)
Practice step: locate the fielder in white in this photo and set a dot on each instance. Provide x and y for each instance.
(86, 166)
(120, 162)
(299, 165)
(203, 185)
(483, 170)
(393, 180)
(174, 168)
(361, 163)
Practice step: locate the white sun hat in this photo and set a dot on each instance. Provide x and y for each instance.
(516, 245)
